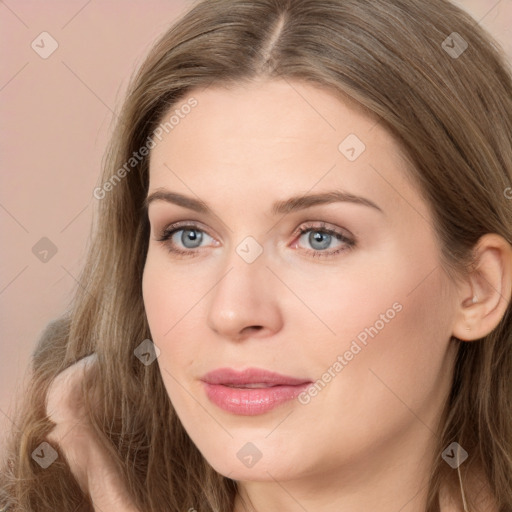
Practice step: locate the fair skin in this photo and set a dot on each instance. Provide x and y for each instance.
(365, 441)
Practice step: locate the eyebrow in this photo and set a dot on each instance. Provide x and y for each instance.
(292, 204)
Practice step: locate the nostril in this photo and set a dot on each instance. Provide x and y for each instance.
(254, 328)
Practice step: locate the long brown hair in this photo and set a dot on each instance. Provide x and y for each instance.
(450, 108)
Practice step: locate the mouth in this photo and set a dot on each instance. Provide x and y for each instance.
(250, 386)
(251, 392)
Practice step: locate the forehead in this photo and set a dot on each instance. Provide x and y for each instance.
(275, 136)
(277, 110)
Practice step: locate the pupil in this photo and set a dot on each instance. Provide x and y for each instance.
(191, 236)
(318, 237)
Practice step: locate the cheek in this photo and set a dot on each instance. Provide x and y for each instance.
(391, 317)
(168, 294)
(172, 300)
(157, 303)
(394, 380)
(398, 363)
(165, 303)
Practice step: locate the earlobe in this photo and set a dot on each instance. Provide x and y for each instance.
(486, 293)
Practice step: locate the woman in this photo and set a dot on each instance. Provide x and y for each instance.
(298, 292)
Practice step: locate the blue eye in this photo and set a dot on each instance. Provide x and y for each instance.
(320, 239)
(186, 240)
(191, 238)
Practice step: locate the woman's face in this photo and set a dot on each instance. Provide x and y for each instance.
(354, 314)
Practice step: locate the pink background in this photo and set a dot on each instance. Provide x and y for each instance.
(56, 119)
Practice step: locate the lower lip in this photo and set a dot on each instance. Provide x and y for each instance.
(251, 401)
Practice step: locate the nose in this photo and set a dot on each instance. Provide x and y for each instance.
(245, 301)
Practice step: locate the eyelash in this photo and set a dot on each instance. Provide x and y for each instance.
(166, 235)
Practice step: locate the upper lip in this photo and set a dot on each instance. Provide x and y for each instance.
(232, 377)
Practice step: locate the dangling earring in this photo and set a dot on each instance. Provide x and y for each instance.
(464, 504)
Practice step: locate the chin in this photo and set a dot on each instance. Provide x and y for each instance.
(260, 472)
(242, 460)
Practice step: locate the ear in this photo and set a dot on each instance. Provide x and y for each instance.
(485, 293)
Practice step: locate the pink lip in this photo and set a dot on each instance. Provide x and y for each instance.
(225, 388)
